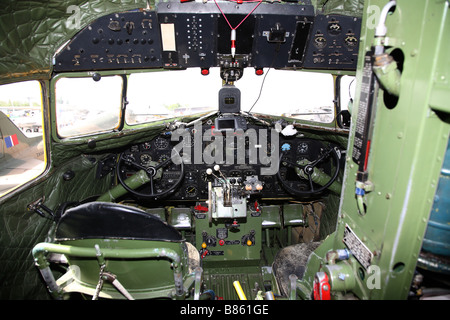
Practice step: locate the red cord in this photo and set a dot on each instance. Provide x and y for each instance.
(259, 2)
(233, 30)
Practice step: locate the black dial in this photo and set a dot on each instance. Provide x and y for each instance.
(320, 42)
(334, 28)
(302, 147)
(163, 157)
(145, 159)
(145, 146)
(351, 41)
(191, 191)
(161, 143)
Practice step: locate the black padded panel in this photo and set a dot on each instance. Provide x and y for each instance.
(104, 220)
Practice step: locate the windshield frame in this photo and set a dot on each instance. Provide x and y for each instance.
(125, 127)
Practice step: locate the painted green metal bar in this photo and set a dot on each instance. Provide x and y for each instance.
(135, 181)
(384, 228)
(41, 249)
(319, 177)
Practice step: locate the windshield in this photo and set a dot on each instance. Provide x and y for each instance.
(85, 105)
(166, 94)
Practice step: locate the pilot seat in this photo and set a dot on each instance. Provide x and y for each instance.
(115, 251)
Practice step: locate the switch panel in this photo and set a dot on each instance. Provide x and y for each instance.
(117, 41)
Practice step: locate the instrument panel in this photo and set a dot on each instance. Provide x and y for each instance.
(194, 185)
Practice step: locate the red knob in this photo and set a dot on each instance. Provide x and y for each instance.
(321, 286)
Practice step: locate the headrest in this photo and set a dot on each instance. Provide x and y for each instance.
(104, 220)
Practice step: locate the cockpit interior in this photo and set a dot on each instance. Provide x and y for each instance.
(197, 150)
(237, 185)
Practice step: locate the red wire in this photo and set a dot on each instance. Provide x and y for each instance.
(259, 2)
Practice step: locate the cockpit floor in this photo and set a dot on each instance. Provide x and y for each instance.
(254, 280)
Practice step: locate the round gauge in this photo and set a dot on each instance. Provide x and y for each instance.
(302, 147)
(145, 159)
(320, 42)
(334, 28)
(145, 146)
(191, 191)
(190, 175)
(161, 143)
(351, 41)
(286, 147)
(163, 158)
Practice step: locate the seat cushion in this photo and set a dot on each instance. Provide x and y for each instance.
(104, 220)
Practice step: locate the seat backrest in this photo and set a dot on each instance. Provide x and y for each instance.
(118, 228)
(104, 220)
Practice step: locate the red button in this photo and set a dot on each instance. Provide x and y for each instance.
(259, 72)
(205, 72)
(221, 242)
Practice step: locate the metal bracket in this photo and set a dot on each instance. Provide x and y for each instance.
(37, 205)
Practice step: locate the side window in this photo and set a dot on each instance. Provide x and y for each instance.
(85, 105)
(21, 145)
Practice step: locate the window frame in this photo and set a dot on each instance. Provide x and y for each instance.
(42, 86)
(53, 104)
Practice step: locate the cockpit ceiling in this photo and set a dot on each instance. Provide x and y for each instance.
(33, 31)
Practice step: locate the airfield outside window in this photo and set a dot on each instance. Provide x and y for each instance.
(21, 147)
(85, 105)
(161, 95)
(294, 94)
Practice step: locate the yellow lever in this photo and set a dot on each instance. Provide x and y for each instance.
(239, 290)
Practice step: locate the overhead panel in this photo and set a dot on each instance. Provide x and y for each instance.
(193, 34)
(118, 41)
(266, 34)
(334, 43)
